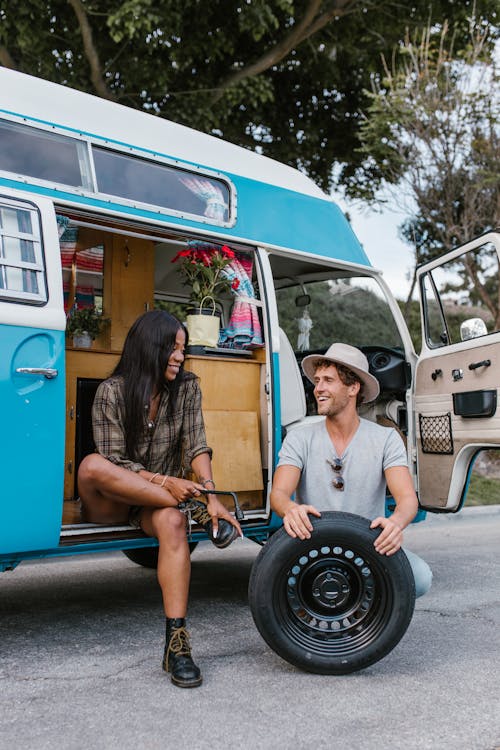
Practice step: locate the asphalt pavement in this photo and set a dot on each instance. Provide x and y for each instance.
(81, 644)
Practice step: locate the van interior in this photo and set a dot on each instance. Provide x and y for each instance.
(123, 269)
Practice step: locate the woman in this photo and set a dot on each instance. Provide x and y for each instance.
(148, 424)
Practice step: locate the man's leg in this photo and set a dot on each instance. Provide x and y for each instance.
(421, 573)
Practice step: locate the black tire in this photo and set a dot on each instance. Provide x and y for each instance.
(331, 604)
(148, 556)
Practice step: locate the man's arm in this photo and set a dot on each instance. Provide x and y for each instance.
(295, 517)
(400, 485)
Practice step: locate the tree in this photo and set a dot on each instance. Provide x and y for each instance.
(432, 132)
(287, 77)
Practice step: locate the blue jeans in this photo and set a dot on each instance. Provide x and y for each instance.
(421, 573)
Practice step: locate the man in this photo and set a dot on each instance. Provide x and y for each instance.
(345, 462)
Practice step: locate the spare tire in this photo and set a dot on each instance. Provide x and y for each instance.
(331, 604)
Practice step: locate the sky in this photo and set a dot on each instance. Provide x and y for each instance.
(378, 234)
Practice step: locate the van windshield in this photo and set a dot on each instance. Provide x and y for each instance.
(349, 309)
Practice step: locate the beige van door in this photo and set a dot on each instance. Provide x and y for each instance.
(458, 372)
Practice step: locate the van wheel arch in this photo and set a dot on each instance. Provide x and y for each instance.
(147, 557)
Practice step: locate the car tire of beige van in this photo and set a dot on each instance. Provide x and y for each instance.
(331, 604)
(148, 556)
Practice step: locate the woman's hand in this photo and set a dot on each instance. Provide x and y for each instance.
(182, 489)
(216, 510)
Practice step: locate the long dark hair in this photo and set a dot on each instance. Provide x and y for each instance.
(147, 349)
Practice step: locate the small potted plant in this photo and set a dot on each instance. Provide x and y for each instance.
(202, 265)
(84, 324)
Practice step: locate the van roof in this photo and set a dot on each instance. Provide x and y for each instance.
(53, 104)
(278, 205)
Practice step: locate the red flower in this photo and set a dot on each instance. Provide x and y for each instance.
(235, 284)
(181, 254)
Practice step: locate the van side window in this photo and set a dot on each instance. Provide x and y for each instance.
(44, 155)
(459, 297)
(22, 273)
(154, 184)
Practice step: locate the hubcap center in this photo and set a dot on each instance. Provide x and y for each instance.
(331, 588)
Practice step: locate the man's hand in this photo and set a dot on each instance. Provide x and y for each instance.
(216, 510)
(390, 538)
(296, 520)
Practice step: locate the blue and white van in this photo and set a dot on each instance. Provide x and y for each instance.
(95, 202)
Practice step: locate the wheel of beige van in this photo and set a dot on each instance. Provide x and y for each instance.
(148, 556)
(331, 604)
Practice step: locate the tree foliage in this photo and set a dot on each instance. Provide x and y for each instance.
(433, 131)
(288, 77)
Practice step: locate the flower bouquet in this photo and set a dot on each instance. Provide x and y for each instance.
(202, 265)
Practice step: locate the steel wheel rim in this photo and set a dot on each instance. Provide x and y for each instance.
(333, 600)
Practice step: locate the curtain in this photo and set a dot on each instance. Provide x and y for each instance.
(74, 260)
(216, 206)
(243, 330)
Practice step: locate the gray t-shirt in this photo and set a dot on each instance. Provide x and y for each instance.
(372, 450)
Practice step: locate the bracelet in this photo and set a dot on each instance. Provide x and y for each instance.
(205, 481)
(154, 476)
(162, 484)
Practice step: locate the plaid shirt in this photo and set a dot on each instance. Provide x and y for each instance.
(167, 447)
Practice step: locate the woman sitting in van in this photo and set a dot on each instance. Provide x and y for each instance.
(147, 425)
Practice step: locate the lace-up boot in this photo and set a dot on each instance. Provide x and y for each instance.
(177, 656)
(197, 511)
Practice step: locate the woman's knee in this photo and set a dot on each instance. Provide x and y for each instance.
(92, 468)
(169, 523)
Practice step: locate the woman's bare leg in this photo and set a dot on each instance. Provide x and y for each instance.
(107, 491)
(168, 525)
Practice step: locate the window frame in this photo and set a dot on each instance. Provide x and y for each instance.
(39, 266)
(88, 172)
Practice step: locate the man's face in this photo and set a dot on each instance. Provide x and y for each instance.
(331, 395)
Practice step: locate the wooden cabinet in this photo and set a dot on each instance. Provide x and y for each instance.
(231, 403)
(231, 410)
(81, 364)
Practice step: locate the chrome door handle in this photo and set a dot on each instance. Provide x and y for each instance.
(47, 372)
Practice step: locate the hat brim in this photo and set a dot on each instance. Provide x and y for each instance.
(371, 384)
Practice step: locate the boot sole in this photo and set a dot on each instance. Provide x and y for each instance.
(227, 542)
(187, 684)
(183, 683)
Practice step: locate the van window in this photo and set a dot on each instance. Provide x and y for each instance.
(161, 185)
(457, 291)
(44, 155)
(22, 276)
(348, 309)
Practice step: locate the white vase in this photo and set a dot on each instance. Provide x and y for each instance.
(82, 340)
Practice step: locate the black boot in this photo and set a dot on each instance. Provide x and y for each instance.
(177, 656)
(197, 510)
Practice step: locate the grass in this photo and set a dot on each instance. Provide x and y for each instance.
(483, 491)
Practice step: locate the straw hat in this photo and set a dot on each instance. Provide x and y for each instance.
(351, 357)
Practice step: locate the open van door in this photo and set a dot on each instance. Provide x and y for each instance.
(32, 374)
(457, 374)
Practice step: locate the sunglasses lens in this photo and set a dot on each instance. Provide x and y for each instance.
(337, 465)
(338, 483)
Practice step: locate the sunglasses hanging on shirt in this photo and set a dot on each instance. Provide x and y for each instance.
(338, 480)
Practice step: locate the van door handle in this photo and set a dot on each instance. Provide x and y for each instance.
(47, 372)
(484, 363)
